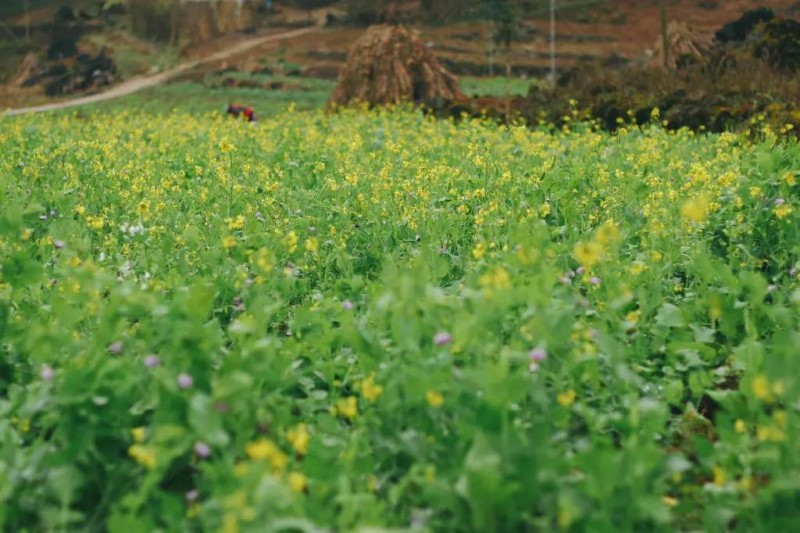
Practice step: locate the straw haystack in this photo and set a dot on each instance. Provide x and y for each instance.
(25, 71)
(684, 42)
(389, 65)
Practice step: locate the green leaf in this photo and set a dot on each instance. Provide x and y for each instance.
(206, 422)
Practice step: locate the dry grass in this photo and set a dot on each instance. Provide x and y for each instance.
(389, 65)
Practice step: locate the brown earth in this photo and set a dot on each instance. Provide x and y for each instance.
(613, 33)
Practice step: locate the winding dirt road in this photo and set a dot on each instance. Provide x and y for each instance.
(145, 82)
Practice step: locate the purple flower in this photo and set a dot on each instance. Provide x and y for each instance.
(115, 348)
(58, 243)
(202, 450)
(594, 280)
(580, 271)
(152, 361)
(192, 495)
(779, 201)
(47, 373)
(537, 355)
(442, 338)
(347, 305)
(185, 381)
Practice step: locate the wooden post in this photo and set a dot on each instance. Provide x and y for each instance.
(662, 5)
(27, 20)
(553, 41)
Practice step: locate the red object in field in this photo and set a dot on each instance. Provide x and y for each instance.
(236, 111)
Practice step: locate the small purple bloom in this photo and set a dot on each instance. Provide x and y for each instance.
(185, 381)
(202, 450)
(779, 201)
(152, 361)
(192, 496)
(580, 271)
(594, 280)
(442, 338)
(347, 305)
(47, 373)
(58, 243)
(115, 348)
(537, 354)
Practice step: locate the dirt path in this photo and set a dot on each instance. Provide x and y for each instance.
(144, 82)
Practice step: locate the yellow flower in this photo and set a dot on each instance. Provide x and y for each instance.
(79, 210)
(347, 407)
(262, 260)
(607, 233)
(235, 223)
(297, 481)
(479, 251)
(311, 244)
(636, 268)
(144, 455)
(634, 316)
(298, 437)
(695, 209)
(782, 211)
(261, 449)
(761, 388)
(755, 192)
(435, 399)
(565, 399)
(229, 242)
(230, 523)
(143, 207)
(495, 279)
(789, 179)
(96, 223)
(587, 253)
(291, 241)
(138, 434)
(669, 501)
(740, 426)
(226, 147)
(719, 476)
(369, 390)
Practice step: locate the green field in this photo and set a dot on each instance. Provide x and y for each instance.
(374, 321)
(301, 93)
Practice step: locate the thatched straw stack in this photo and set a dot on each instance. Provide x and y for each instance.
(389, 65)
(684, 42)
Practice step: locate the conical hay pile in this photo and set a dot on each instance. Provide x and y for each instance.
(389, 65)
(683, 41)
(25, 71)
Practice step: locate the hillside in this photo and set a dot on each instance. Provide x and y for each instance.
(611, 33)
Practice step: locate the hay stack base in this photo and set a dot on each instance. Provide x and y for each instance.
(685, 44)
(389, 65)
